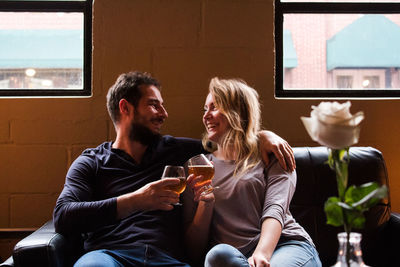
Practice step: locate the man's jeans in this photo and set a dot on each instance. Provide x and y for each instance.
(291, 253)
(137, 256)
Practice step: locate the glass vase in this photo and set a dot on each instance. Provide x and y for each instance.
(355, 254)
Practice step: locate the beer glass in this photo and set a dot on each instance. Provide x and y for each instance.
(175, 172)
(200, 165)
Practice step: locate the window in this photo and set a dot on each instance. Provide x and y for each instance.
(45, 48)
(337, 48)
(344, 81)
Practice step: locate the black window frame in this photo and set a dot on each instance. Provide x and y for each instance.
(84, 7)
(282, 8)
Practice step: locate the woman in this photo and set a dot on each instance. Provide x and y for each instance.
(247, 218)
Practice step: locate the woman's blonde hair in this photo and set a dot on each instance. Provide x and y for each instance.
(239, 103)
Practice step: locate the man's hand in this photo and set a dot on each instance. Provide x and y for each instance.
(258, 260)
(156, 195)
(192, 183)
(272, 143)
(152, 196)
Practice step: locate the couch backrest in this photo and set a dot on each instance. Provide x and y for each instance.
(316, 182)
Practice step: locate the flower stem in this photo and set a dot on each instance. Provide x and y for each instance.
(340, 165)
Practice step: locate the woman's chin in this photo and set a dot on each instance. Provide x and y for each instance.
(213, 138)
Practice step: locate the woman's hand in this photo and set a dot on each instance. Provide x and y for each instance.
(258, 260)
(271, 230)
(192, 182)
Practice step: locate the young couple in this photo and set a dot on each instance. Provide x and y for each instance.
(113, 193)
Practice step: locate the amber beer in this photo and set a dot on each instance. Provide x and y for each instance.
(205, 170)
(179, 188)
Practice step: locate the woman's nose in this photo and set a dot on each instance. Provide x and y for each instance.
(206, 114)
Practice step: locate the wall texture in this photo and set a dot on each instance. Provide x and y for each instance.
(184, 44)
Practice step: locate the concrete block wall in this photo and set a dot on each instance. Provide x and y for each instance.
(38, 142)
(39, 138)
(184, 43)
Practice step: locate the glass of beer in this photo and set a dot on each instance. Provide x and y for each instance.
(175, 172)
(200, 165)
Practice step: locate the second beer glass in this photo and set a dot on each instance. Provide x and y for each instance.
(200, 165)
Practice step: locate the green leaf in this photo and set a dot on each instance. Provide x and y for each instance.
(342, 153)
(345, 206)
(355, 218)
(339, 154)
(354, 193)
(358, 222)
(333, 212)
(371, 199)
(331, 161)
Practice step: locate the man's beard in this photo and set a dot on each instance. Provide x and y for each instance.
(142, 134)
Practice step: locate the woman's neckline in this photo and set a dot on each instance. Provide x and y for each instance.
(215, 158)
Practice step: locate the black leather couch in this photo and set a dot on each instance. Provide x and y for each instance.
(315, 183)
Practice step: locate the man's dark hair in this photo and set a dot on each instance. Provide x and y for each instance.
(127, 86)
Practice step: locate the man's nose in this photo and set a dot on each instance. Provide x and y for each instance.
(164, 112)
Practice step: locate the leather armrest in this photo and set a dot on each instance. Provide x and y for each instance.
(394, 227)
(8, 263)
(395, 218)
(392, 238)
(45, 247)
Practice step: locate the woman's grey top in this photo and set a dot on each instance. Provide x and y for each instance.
(244, 201)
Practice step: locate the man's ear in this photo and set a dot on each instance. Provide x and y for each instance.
(125, 107)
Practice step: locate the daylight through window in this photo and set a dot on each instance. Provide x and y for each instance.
(46, 51)
(327, 49)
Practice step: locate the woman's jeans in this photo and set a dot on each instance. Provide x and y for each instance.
(137, 256)
(288, 253)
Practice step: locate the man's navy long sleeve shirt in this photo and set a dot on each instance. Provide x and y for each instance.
(88, 202)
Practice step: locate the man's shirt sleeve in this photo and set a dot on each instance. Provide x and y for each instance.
(76, 210)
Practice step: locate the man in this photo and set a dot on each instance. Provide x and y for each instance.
(114, 192)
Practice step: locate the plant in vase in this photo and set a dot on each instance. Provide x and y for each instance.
(331, 124)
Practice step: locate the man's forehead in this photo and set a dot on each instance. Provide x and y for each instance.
(151, 92)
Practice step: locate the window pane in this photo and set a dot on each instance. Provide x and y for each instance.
(344, 81)
(338, 51)
(370, 82)
(41, 50)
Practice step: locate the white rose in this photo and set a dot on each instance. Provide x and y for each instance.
(331, 124)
